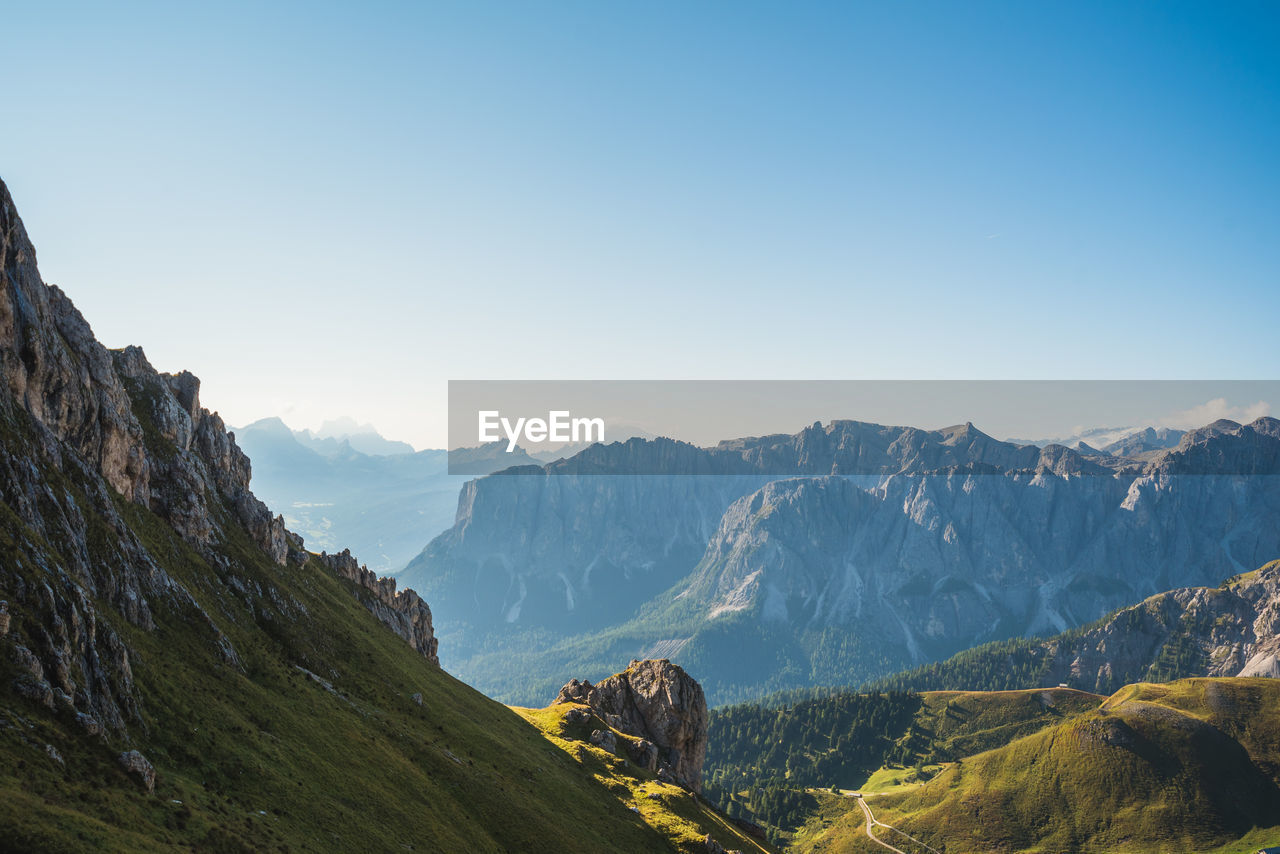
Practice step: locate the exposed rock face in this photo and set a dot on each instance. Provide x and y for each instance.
(1232, 630)
(569, 552)
(100, 403)
(137, 766)
(404, 612)
(89, 435)
(656, 701)
(605, 739)
(897, 546)
(579, 539)
(927, 566)
(644, 753)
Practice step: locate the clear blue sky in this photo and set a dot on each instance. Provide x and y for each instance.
(330, 209)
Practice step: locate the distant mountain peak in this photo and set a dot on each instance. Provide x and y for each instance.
(274, 426)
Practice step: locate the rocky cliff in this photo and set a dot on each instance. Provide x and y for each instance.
(937, 564)
(91, 436)
(576, 544)
(658, 702)
(896, 546)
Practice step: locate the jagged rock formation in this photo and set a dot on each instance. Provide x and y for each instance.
(89, 428)
(404, 612)
(938, 564)
(658, 703)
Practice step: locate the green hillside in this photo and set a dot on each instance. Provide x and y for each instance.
(312, 743)
(1185, 766)
(762, 756)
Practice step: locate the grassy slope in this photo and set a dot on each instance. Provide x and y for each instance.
(268, 758)
(951, 725)
(668, 809)
(955, 724)
(937, 727)
(1187, 766)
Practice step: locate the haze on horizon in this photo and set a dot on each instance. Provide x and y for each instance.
(325, 212)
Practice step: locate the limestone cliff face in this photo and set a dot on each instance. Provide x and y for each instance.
(894, 546)
(936, 564)
(88, 434)
(577, 543)
(100, 404)
(657, 701)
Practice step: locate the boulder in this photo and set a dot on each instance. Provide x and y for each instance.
(644, 753)
(605, 739)
(137, 766)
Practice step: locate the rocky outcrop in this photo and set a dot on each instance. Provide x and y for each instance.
(137, 766)
(144, 432)
(657, 702)
(91, 435)
(605, 739)
(403, 612)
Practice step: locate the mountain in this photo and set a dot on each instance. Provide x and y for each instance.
(178, 673)
(361, 438)
(577, 548)
(1145, 441)
(382, 506)
(354, 489)
(1186, 766)
(1135, 444)
(1229, 630)
(895, 547)
(488, 458)
(1097, 437)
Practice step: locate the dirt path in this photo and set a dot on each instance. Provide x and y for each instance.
(871, 822)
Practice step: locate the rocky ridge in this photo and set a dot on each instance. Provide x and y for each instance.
(403, 612)
(87, 428)
(1231, 630)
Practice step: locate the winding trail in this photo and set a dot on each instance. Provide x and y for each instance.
(871, 822)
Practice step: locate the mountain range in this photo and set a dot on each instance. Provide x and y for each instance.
(380, 505)
(896, 546)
